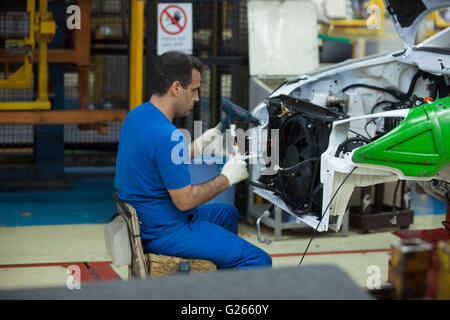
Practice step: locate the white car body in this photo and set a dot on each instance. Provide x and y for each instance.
(395, 71)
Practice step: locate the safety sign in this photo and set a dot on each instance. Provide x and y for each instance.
(174, 27)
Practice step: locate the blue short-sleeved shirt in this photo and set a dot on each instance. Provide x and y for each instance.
(152, 158)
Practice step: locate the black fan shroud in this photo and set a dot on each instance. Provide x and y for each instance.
(299, 179)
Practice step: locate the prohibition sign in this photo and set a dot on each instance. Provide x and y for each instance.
(175, 18)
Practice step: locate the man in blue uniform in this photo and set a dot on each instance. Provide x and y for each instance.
(174, 217)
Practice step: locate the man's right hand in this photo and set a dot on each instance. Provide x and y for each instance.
(235, 169)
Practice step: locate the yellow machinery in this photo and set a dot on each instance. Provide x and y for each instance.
(438, 21)
(25, 52)
(373, 25)
(357, 30)
(42, 29)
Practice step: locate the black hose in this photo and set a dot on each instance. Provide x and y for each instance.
(403, 97)
(341, 147)
(379, 103)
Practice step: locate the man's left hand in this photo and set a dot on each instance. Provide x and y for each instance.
(210, 142)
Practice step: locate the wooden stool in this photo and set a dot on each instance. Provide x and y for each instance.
(161, 265)
(153, 265)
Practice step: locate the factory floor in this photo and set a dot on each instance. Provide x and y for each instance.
(42, 233)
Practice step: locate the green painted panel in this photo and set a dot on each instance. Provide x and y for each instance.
(419, 146)
(424, 140)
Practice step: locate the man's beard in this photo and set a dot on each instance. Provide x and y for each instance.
(187, 113)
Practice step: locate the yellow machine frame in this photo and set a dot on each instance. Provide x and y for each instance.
(22, 77)
(42, 29)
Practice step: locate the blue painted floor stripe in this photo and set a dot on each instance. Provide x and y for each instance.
(424, 204)
(90, 201)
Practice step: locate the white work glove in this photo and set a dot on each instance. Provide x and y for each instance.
(211, 143)
(235, 169)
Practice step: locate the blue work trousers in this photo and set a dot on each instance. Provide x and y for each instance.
(211, 234)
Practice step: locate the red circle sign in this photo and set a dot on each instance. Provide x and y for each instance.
(173, 19)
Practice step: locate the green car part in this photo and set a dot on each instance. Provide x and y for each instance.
(419, 146)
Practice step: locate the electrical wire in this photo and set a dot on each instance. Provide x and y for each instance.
(396, 94)
(365, 127)
(402, 97)
(323, 214)
(394, 198)
(298, 164)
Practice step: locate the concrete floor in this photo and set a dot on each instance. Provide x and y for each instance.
(44, 232)
(45, 247)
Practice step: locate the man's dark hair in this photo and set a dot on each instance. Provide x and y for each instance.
(173, 66)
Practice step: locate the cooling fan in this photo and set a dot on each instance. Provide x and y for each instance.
(304, 129)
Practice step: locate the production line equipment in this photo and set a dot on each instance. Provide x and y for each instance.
(363, 122)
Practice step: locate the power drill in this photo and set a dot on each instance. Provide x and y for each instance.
(234, 114)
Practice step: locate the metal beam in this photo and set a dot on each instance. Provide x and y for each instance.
(82, 37)
(54, 56)
(62, 116)
(136, 53)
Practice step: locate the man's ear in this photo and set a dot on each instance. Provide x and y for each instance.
(175, 88)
